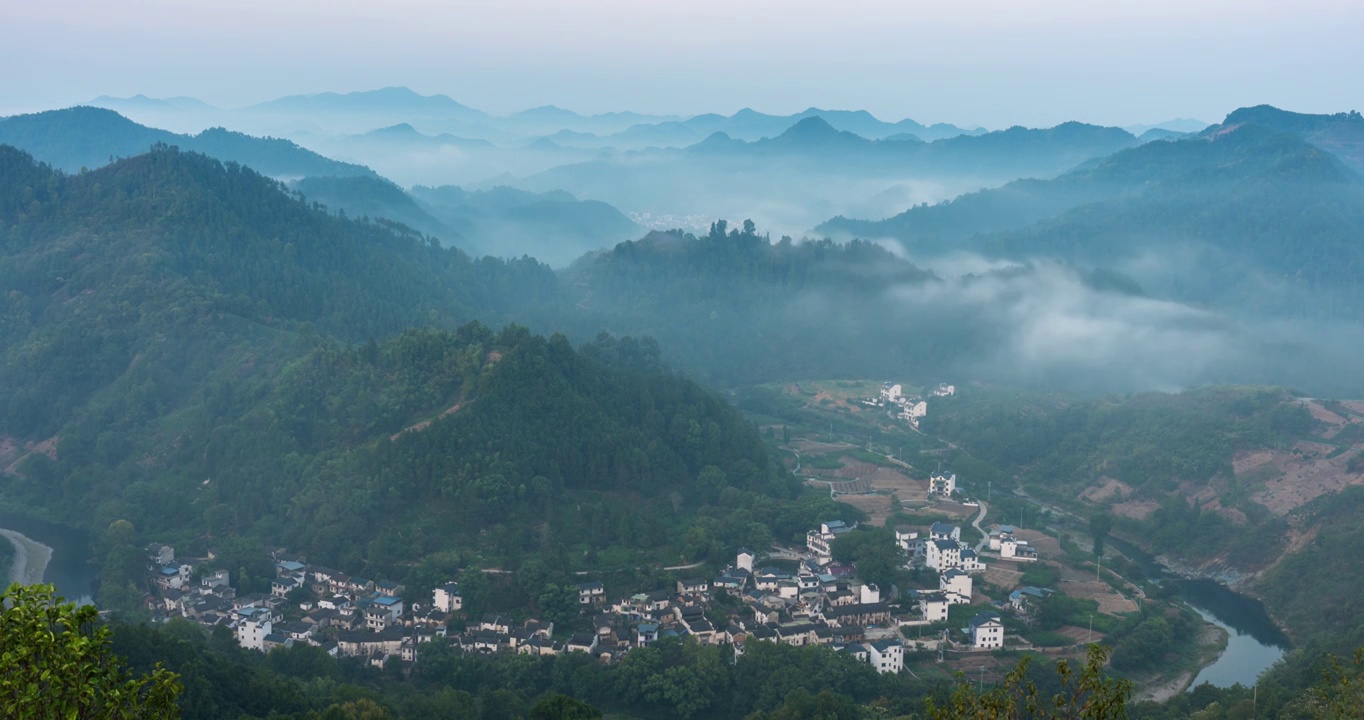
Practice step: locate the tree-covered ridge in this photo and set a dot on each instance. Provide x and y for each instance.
(736, 307)
(374, 197)
(1340, 133)
(166, 254)
(90, 137)
(427, 440)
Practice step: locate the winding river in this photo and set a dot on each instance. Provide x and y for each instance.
(1254, 642)
(69, 567)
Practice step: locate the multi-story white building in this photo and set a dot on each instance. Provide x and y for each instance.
(943, 531)
(943, 555)
(956, 585)
(942, 485)
(907, 539)
(933, 605)
(446, 598)
(887, 656)
(987, 631)
(253, 624)
(819, 541)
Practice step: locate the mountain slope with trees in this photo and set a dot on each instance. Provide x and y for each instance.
(201, 354)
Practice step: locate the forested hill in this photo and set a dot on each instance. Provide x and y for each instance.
(734, 307)
(149, 269)
(89, 137)
(501, 445)
(187, 346)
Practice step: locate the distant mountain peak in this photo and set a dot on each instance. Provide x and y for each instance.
(813, 128)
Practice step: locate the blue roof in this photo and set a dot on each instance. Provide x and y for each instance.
(290, 565)
(169, 571)
(387, 600)
(648, 627)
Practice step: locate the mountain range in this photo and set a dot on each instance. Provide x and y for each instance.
(89, 137)
(1242, 216)
(811, 171)
(358, 112)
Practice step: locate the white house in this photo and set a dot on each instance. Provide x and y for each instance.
(943, 555)
(987, 631)
(818, 541)
(253, 624)
(744, 560)
(915, 410)
(1015, 549)
(970, 561)
(870, 593)
(956, 585)
(942, 485)
(446, 598)
(591, 593)
(944, 531)
(907, 539)
(1022, 597)
(945, 390)
(214, 579)
(933, 606)
(887, 656)
(891, 393)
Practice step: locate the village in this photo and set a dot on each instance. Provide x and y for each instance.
(802, 597)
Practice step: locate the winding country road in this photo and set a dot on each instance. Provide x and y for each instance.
(985, 537)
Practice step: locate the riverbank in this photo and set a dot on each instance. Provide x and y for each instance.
(30, 558)
(1212, 642)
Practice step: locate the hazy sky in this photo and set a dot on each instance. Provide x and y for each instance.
(1032, 62)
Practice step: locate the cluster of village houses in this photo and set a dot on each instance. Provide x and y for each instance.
(820, 603)
(912, 408)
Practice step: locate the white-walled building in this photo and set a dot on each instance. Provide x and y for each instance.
(887, 656)
(907, 539)
(819, 541)
(744, 560)
(944, 531)
(933, 606)
(970, 561)
(253, 624)
(987, 632)
(446, 598)
(956, 585)
(943, 555)
(870, 593)
(942, 485)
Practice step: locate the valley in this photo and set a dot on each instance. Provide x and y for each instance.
(380, 405)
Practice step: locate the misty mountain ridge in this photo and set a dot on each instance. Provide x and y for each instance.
(1253, 221)
(88, 137)
(812, 171)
